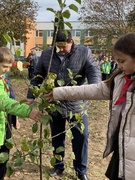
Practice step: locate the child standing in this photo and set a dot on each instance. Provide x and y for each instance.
(120, 90)
(8, 105)
(105, 66)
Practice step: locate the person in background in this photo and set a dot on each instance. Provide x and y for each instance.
(101, 55)
(105, 66)
(9, 106)
(95, 58)
(32, 59)
(120, 90)
(78, 59)
(113, 65)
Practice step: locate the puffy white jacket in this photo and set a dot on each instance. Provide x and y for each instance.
(121, 117)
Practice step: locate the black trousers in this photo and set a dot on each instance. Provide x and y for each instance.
(79, 142)
(113, 167)
(30, 72)
(3, 165)
(11, 120)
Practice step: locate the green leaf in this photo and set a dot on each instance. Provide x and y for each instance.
(78, 116)
(47, 176)
(32, 158)
(46, 119)
(70, 73)
(25, 147)
(42, 90)
(18, 51)
(41, 107)
(78, 76)
(69, 134)
(19, 161)
(51, 9)
(58, 157)
(7, 38)
(9, 143)
(73, 82)
(17, 154)
(68, 24)
(52, 161)
(66, 14)
(70, 115)
(73, 7)
(9, 170)
(60, 149)
(3, 157)
(58, 108)
(82, 127)
(78, 1)
(40, 143)
(35, 128)
(60, 3)
(46, 133)
(35, 90)
(33, 105)
(61, 82)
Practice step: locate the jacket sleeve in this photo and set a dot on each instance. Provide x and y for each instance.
(92, 69)
(11, 106)
(85, 92)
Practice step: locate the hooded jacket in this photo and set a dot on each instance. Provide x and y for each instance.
(79, 61)
(121, 123)
(9, 106)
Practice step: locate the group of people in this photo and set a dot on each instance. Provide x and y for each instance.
(118, 89)
(107, 64)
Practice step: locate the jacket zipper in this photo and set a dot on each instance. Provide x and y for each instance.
(123, 136)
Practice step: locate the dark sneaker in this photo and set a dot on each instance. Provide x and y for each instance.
(83, 177)
(55, 172)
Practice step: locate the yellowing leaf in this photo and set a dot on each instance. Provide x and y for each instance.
(20, 65)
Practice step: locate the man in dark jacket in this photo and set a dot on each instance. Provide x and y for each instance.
(32, 59)
(78, 59)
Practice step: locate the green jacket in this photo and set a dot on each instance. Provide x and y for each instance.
(106, 67)
(9, 106)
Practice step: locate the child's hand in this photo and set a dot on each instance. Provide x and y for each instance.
(17, 124)
(49, 96)
(35, 115)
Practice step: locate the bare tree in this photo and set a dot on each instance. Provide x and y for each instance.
(131, 20)
(106, 17)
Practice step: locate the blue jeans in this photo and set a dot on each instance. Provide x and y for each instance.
(79, 142)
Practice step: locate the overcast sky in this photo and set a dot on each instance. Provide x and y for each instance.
(44, 15)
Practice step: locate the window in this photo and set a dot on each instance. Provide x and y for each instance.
(39, 33)
(17, 43)
(87, 33)
(76, 33)
(50, 33)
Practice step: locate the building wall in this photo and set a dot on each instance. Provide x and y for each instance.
(30, 42)
(35, 41)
